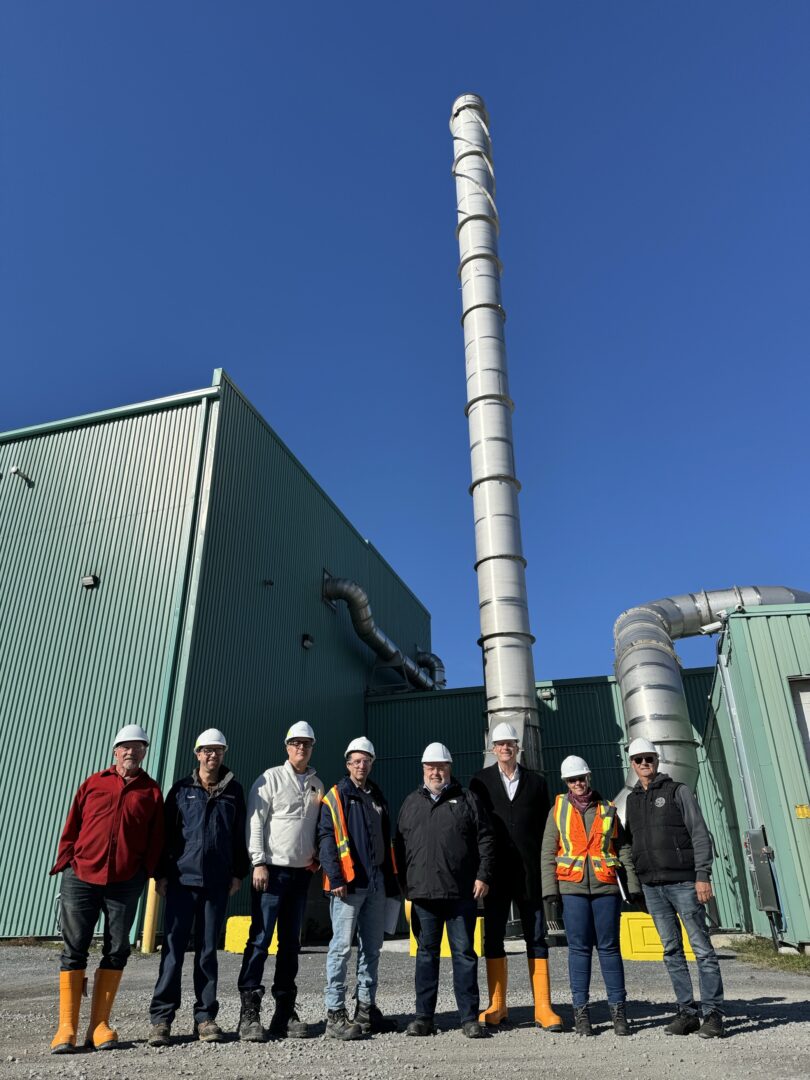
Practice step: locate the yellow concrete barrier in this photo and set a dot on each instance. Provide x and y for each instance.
(639, 939)
(478, 940)
(236, 934)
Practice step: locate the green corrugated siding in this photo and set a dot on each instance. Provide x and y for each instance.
(112, 497)
(583, 717)
(247, 672)
(766, 648)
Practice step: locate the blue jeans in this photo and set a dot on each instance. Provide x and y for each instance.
(665, 903)
(283, 904)
(206, 909)
(428, 919)
(532, 922)
(80, 905)
(589, 921)
(363, 910)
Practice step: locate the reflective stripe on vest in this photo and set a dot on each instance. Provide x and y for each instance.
(332, 800)
(573, 845)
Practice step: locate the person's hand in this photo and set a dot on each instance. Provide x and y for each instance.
(704, 891)
(235, 886)
(314, 866)
(339, 892)
(480, 889)
(261, 878)
(161, 886)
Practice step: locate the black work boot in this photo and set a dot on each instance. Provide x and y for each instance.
(582, 1020)
(712, 1026)
(286, 1024)
(618, 1014)
(421, 1025)
(372, 1021)
(250, 1025)
(683, 1023)
(339, 1026)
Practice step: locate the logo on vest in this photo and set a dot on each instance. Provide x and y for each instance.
(660, 801)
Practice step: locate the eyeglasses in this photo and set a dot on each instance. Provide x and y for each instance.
(210, 751)
(576, 779)
(644, 759)
(302, 744)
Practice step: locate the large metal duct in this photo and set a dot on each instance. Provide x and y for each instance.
(649, 675)
(506, 638)
(367, 630)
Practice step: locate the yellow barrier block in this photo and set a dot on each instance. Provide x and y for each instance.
(237, 929)
(478, 939)
(639, 939)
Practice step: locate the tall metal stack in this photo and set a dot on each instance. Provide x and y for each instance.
(506, 638)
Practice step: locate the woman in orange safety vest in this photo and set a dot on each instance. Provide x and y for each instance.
(584, 853)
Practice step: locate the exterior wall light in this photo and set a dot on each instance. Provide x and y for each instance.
(90, 581)
(307, 641)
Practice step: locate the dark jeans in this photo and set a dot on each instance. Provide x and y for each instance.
(282, 905)
(428, 919)
(80, 905)
(206, 909)
(496, 916)
(665, 903)
(589, 921)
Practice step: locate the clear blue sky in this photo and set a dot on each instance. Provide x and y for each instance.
(185, 186)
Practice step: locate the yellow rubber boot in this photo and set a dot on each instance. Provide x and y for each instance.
(99, 1033)
(70, 999)
(544, 1015)
(496, 1011)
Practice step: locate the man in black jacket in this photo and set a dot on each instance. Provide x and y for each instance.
(445, 854)
(354, 843)
(517, 801)
(204, 860)
(672, 855)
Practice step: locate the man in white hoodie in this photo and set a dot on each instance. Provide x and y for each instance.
(282, 817)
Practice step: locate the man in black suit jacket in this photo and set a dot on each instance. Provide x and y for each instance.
(518, 803)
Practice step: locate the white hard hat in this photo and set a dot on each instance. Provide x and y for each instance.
(641, 746)
(300, 730)
(503, 733)
(362, 744)
(574, 766)
(437, 751)
(131, 733)
(211, 737)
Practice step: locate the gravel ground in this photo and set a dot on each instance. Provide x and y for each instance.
(768, 1030)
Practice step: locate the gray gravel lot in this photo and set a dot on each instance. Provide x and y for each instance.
(768, 1029)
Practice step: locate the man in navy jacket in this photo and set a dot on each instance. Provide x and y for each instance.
(204, 860)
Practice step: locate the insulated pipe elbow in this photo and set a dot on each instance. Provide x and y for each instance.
(649, 673)
(356, 599)
(434, 666)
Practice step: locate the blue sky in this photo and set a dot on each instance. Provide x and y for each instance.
(185, 186)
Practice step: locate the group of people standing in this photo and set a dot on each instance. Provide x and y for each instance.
(499, 843)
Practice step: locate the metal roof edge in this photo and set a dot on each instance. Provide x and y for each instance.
(770, 609)
(122, 411)
(224, 378)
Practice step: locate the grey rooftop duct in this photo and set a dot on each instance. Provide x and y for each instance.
(367, 630)
(649, 675)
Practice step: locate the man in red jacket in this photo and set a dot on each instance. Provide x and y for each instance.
(110, 845)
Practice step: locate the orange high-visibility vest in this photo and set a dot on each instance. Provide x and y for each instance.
(573, 844)
(332, 800)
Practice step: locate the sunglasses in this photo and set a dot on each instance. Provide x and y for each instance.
(577, 780)
(302, 744)
(644, 759)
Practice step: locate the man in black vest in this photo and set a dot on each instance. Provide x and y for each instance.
(672, 854)
(517, 801)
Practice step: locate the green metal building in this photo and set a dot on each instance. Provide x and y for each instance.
(162, 564)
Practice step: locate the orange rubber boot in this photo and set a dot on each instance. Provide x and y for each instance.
(70, 999)
(496, 1011)
(544, 1015)
(99, 1033)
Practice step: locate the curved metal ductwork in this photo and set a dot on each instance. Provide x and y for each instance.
(649, 675)
(506, 638)
(367, 630)
(434, 667)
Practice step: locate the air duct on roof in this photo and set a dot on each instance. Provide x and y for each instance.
(506, 638)
(367, 630)
(649, 675)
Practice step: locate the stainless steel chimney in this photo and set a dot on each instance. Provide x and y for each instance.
(506, 638)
